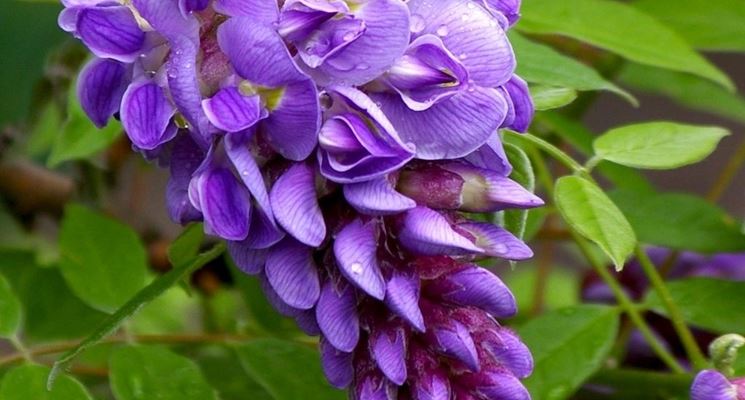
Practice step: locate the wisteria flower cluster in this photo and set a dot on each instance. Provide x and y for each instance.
(338, 147)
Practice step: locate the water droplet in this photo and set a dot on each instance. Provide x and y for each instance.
(463, 56)
(417, 23)
(443, 31)
(356, 268)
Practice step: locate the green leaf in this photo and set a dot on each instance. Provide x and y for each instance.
(680, 221)
(549, 97)
(10, 310)
(102, 260)
(658, 145)
(515, 221)
(80, 138)
(186, 246)
(288, 371)
(706, 24)
(148, 372)
(619, 28)
(543, 65)
(568, 346)
(638, 384)
(171, 312)
(593, 215)
(142, 298)
(712, 304)
(562, 289)
(28, 382)
(224, 372)
(685, 89)
(46, 130)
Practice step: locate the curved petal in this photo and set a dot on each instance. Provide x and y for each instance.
(224, 203)
(402, 297)
(377, 197)
(451, 128)
(355, 249)
(184, 85)
(295, 204)
(258, 10)
(101, 85)
(186, 156)
(111, 32)
(473, 34)
(166, 17)
(293, 124)
(337, 365)
(712, 385)
(336, 313)
(456, 342)
(491, 156)
(275, 300)
(475, 286)
(146, 115)
(231, 111)
(508, 351)
(426, 232)
(508, 8)
(251, 175)
(189, 6)
(499, 385)
(384, 40)
(388, 345)
(522, 102)
(292, 274)
(497, 242)
(250, 261)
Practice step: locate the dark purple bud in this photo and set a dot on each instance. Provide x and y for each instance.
(452, 339)
(495, 241)
(427, 232)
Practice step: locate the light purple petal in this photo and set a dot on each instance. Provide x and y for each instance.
(522, 102)
(384, 40)
(508, 351)
(426, 232)
(166, 17)
(231, 111)
(402, 297)
(388, 345)
(455, 341)
(184, 85)
(259, 10)
(451, 128)
(293, 274)
(245, 164)
(477, 287)
(501, 385)
(293, 124)
(329, 38)
(712, 385)
(250, 261)
(377, 197)
(110, 32)
(337, 365)
(508, 8)
(472, 34)
(336, 313)
(498, 242)
(295, 204)
(355, 249)
(491, 156)
(190, 6)
(146, 115)
(101, 85)
(224, 203)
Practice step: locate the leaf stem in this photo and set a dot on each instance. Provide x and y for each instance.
(676, 316)
(727, 175)
(549, 148)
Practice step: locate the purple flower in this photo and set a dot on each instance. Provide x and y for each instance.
(712, 385)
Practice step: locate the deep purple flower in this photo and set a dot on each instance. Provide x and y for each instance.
(712, 385)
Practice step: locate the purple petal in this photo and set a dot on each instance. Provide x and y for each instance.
(508, 351)
(293, 124)
(477, 287)
(330, 38)
(488, 191)
(166, 17)
(491, 156)
(190, 6)
(101, 86)
(508, 8)
(231, 111)
(402, 297)
(431, 387)
(522, 102)
(243, 161)
(337, 365)
(184, 84)
(426, 232)
(498, 242)
(336, 314)
(293, 274)
(224, 203)
(500, 385)
(146, 115)
(275, 300)
(295, 204)
(712, 385)
(388, 346)
(377, 197)
(455, 341)
(111, 32)
(472, 34)
(259, 10)
(186, 156)
(306, 321)
(384, 40)
(250, 261)
(451, 128)
(355, 249)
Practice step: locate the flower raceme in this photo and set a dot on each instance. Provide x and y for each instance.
(338, 147)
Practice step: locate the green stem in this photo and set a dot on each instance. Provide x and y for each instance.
(628, 306)
(676, 316)
(728, 173)
(549, 148)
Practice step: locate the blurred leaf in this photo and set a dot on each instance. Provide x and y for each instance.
(658, 145)
(288, 371)
(148, 372)
(28, 382)
(45, 131)
(224, 372)
(536, 219)
(637, 385)
(186, 246)
(593, 215)
(169, 313)
(706, 24)
(51, 311)
(687, 90)
(619, 28)
(103, 260)
(568, 346)
(581, 139)
(80, 138)
(515, 221)
(680, 221)
(10, 310)
(543, 65)
(562, 289)
(549, 97)
(712, 304)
